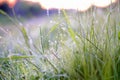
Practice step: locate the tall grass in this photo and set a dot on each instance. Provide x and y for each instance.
(82, 46)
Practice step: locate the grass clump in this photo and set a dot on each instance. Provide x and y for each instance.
(81, 47)
(95, 52)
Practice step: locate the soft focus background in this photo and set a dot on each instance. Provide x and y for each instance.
(59, 40)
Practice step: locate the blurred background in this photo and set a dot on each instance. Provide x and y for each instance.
(36, 12)
(39, 12)
(28, 8)
(25, 9)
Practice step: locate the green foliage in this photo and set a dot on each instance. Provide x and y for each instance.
(119, 35)
(24, 33)
(81, 47)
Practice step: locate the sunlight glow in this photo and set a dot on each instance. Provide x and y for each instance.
(64, 4)
(10, 3)
(81, 5)
(103, 3)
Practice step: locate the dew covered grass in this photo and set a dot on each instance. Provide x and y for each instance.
(69, 46)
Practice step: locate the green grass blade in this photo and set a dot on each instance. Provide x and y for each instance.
(25, 35)
(119, 35)
(15, 58)
(53, 28)
(72, 34)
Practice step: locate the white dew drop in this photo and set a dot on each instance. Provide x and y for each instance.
(64, 28)
(20, 24)
(30, 40)
(55, 42)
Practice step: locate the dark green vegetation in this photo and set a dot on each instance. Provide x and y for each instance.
(76, 46)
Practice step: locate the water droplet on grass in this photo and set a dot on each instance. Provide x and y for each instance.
(55, 42)
(20, 24)
(63, 28)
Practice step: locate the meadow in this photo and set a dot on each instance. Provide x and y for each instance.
(69, 46)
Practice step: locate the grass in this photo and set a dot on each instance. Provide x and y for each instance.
(78, 46)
